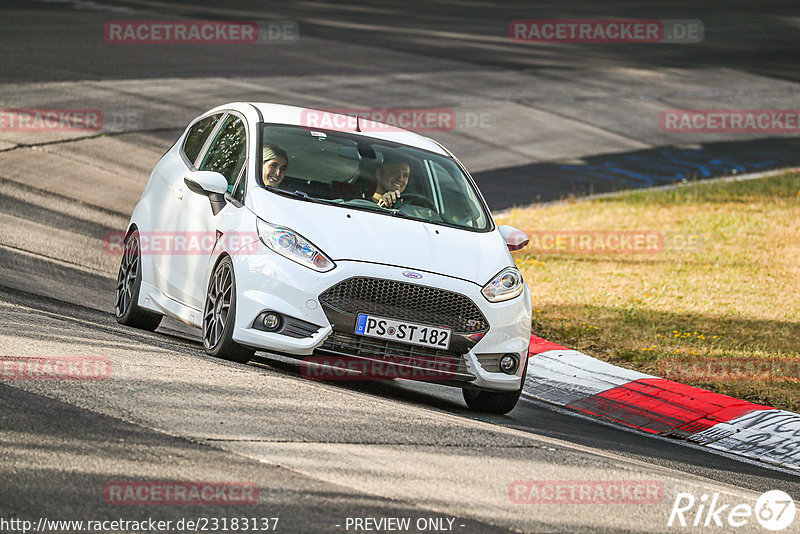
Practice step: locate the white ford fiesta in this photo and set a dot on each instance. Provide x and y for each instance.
(310, 234)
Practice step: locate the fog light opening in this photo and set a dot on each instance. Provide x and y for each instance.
(271, 321)
(508, 364)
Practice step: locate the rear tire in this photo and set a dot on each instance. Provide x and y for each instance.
(496, 402)
(129, 282)
(219, 316)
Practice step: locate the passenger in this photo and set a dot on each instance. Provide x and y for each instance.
(392, 177)
(275, 163)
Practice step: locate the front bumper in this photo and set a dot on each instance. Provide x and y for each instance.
(268, 281)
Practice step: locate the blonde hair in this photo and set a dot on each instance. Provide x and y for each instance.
(273, 151)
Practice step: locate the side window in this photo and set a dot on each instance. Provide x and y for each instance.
(455, 198)
(197, 135)
(228, 151)
(238, 192)
(447, 190)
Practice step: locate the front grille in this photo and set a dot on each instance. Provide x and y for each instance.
(402, 300)
(398, 353)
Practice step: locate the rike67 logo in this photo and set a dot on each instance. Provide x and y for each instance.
(774, 510)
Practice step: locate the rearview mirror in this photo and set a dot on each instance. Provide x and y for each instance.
(515, 239)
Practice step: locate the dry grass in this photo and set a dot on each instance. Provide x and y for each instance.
(725, 287)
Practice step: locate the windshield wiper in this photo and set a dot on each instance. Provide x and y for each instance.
(300, 194)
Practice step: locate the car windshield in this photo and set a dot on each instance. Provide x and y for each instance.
(354, 171)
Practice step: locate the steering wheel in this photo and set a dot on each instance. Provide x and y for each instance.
(420, 200)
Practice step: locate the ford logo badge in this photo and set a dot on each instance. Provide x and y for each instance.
(410, 274)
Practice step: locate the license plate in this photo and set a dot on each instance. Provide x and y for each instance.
(403, 331)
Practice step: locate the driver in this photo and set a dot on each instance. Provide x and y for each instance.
(392, 177)
(275, 162)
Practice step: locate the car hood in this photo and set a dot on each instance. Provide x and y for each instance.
(359, 235)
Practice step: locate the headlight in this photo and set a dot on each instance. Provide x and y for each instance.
(292, 245)
(506, 285)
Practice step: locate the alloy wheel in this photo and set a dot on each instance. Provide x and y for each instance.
(126, 279)
(218, 305)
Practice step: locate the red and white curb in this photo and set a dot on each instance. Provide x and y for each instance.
(569, 378)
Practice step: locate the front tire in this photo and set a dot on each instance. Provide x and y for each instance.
(496, 402)
(219, 316)
(129, 283)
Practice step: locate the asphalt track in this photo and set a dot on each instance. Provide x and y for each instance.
(322, 452)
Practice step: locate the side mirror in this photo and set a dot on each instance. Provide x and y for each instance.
(206, 182)
(515, 239)
(211, 184)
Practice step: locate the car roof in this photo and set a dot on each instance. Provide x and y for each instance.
(326, 119)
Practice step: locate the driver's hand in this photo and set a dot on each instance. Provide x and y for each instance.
(389, 199)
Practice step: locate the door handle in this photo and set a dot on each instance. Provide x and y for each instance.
(179, 191)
